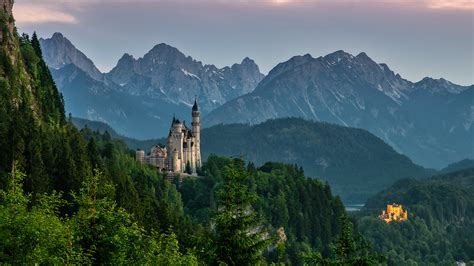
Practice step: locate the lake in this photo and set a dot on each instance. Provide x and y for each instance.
(353, 207)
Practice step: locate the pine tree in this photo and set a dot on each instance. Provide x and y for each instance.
(238, 238)
(36, 45)
(349, 249)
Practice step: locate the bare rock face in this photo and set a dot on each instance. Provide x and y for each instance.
(7, 17)
(428, 120)
(59, 52)
(165, 72)
(7, 6)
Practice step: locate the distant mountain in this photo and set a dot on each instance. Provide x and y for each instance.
(102, 127)
(139, 96)
(458, 166)
(59, 52)
(130, 115)
(165, 72)
(430, 121)
(355, 162)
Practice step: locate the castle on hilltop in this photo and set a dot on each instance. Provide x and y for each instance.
(394, 213)
(182, 153)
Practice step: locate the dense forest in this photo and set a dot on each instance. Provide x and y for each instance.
(79, 197)
(301, 210)
(440, 228)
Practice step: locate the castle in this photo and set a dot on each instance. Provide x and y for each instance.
(182, 153)
(394, 213)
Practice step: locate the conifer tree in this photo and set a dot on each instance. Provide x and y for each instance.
(238, 239)
(36, 45)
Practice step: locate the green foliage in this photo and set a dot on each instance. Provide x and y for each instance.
(99, 232)
(30, 235)
(349, 249)
(237, 235)
(301, 209)
(440, 226)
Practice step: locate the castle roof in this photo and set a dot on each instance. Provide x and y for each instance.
(195, 106)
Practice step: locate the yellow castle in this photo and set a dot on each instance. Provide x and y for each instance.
(395, 213)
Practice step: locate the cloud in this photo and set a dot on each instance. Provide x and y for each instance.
(451, 4)
(38, 14)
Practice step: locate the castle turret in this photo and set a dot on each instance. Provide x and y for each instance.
(196, 124)
(176, 162)
(140, 155)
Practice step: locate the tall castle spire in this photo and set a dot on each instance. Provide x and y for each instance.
(195, 106)
(196, 125)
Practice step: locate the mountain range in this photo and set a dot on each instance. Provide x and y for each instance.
(430, 121)
(138, 96)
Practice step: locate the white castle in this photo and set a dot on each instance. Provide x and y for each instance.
(183, 149)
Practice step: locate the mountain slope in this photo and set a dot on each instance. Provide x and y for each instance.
(429, 121)
(59, 51)
(138, 116)
(139, 96)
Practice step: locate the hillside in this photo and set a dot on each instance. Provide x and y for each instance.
(353, 161)
(430, 121)
(440, 228)
(57, 182)
(102, 128)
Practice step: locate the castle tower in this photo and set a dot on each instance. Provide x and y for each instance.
(176, 162)
(196, 124)
(140, 156)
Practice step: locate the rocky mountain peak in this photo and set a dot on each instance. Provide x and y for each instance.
(164, 50)
(438, 86)
(338, 56)
(248, 62)
(58, 52)
(126, 59)
(290, 64)
(58, 36)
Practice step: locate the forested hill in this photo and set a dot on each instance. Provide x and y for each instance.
(440, 226)
(31, 108)
(353, 161)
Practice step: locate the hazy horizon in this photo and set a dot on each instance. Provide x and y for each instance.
(415, 38)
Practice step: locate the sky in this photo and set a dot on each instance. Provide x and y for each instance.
(416, 38)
